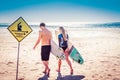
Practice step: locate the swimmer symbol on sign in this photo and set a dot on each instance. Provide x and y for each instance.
(19, 26)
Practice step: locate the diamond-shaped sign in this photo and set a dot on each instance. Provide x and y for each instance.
(20, 29)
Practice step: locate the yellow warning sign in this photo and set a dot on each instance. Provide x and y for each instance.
(20, 29)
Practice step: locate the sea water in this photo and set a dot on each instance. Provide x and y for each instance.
(77, 30)
(74, 26)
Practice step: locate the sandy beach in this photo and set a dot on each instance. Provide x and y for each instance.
(100, 48)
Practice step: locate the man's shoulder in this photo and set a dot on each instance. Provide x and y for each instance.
(49, 32)
(40, 31)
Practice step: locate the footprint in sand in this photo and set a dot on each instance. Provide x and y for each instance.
(104, 61)
(6, 71)
(38, 63)
(34, 69)
(10, 63)
(91, 62)
(93, 76)
(14, 47)
(2, 73)
(23, 62)
(109, 75)
(114, 69)
(40, 74)
(24, 67)
(116, 79)
(21, 79)
(115, 64)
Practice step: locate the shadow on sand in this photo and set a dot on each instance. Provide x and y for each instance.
(45, 77)
(67, 77)
(70, 77)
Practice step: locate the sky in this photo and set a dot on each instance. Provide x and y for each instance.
(35, 11)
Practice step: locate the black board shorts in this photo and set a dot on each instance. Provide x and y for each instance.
(45, 52)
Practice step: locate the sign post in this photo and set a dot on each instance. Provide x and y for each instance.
(19, 29)
(17, 61)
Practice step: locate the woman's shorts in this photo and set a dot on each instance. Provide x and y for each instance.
(64, 48)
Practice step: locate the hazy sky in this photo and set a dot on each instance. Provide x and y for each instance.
(60, 10)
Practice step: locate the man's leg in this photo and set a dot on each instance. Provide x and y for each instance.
(59, 65)
(46, 65)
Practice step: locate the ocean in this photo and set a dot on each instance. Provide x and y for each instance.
(97, 25)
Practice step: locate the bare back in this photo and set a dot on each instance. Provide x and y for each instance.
(46, 37)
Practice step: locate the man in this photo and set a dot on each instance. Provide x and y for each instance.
(45, 38)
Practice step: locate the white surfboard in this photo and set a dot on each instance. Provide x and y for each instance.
(56, 51)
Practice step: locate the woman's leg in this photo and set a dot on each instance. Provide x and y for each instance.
(59, 65)
(69, 62)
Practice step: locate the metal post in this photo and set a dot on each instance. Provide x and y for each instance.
(17, 61)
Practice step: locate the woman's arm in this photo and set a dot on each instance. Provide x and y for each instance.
(67, 37)
(38, 41)
(59, 40)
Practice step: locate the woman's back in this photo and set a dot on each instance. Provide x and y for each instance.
(62, 42)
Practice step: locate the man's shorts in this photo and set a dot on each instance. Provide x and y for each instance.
(45, 52)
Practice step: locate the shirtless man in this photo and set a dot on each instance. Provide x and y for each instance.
(45, 38)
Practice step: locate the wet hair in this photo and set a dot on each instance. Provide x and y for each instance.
(42, 24)
(63, 33)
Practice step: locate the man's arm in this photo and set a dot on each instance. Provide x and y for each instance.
(38, 41)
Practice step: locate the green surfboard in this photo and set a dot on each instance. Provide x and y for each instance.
(75, 55)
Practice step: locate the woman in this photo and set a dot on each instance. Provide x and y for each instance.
(63, 43)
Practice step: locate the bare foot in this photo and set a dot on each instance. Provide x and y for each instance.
(71, 72)
(58, 70)
(45, 71)
(48, 74)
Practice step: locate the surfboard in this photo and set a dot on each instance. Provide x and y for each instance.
(74, 53)
(56, 51)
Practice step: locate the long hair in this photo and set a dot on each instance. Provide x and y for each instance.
(63, 33)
